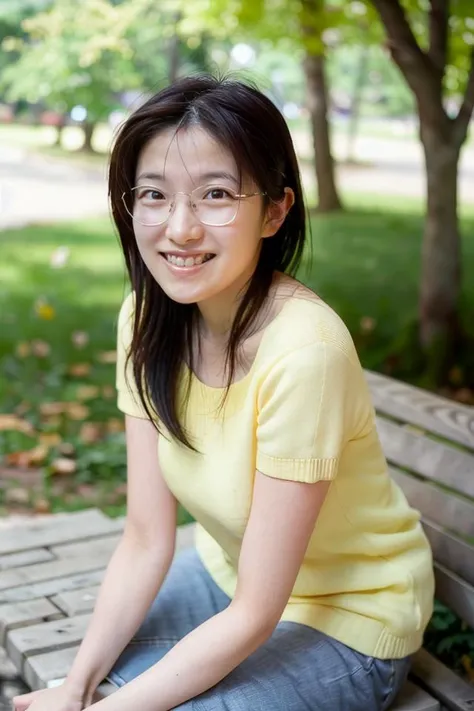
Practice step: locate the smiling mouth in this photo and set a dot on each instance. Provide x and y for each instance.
(187, 261)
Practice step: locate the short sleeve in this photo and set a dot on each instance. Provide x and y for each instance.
(304, 418)
(128, 399)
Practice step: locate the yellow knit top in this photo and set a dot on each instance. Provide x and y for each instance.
(303, 412)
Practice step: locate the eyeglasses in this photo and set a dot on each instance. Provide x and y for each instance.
(213, 205)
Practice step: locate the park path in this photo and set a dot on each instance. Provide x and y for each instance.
(35, 188)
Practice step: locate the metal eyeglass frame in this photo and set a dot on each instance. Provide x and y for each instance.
(239, 197)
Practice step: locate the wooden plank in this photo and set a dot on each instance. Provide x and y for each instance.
(412, 698)
(30, 574)
(83, 524)
(17, 560)
(76, 602)
(49, 588)
(48, 669)
(47, 637)
(102, 546)
(433, 460)
(453, 692)
(454, 592)
(450, 551)
(450, 511)
(26, 613)
(419, 407)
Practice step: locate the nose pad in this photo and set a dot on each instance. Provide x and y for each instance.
(183, 225)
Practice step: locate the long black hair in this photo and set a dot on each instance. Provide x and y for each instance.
(250, 126)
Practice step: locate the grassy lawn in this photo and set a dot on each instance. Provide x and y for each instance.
(57, 335)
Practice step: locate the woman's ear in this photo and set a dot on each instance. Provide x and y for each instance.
(277, 212)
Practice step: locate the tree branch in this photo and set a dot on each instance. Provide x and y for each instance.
(438, 50)
(461, 122)
(414, 64)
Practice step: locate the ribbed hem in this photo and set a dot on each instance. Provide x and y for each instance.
(304, 470)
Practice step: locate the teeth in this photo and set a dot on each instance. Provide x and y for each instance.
(189, 261)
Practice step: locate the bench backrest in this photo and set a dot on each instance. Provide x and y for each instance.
(429, 443)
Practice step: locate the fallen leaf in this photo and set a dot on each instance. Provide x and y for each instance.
(108, 391)
(29, 457)
(463, 395)
(80, 339)
(115, 425)
(79, 370)
(40, 349)
(367, 324)
(76, 411)
(17, 495)
(53, 421)
(13, 422)
(51, 408)
(107, 357)
(42, 506)
(87, 392)
(50, 439)
(90, 432)
(66, 448)
(63, 466)
(23, 349)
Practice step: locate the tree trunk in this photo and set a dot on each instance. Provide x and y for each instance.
(88, 128)
(314, 67)
(59, 131)
(441, 253)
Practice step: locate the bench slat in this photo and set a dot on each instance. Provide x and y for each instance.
(51, 587)
(454, 592)
(26, 613)
(80, 525)
(412, 698)
(44, 670)
(451, 551)
(76, 602)
(433, 460)
(448, 510)
(454, 693)
(419, 407)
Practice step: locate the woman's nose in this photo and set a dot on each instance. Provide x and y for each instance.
(183, 225)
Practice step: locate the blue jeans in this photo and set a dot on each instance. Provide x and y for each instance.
(297, 669)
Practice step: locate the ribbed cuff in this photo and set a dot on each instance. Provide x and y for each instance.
(308, 471)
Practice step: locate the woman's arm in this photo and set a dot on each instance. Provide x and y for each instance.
(137, 567)
(281, 522)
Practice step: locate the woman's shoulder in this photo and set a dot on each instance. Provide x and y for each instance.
(304, 320)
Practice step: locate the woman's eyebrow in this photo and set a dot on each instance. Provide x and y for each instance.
(212, 175)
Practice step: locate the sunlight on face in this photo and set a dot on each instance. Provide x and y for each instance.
(191, 261)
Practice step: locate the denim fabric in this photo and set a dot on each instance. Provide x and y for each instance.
(297, 669)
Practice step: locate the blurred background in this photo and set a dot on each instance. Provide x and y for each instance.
(378, 97)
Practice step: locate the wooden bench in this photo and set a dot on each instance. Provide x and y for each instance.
(50, 571)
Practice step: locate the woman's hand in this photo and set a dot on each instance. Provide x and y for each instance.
(59, 698)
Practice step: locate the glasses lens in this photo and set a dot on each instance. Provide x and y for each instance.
(148, 205)
(214, 205)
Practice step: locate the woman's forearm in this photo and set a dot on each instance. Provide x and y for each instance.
(196, 663)
(132, 580)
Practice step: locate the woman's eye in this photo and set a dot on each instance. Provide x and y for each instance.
(149, 194)
(217, 194)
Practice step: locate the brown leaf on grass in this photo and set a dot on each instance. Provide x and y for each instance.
(23, 349)
(90, 432)
(79, 370)
(76, 410)
(28, 458)
(80, 339)
(40, 349)
(66, 449)
(53, 421)
(50, 439)
(42, 506)
(108, 392)
(13, 422)
(17, 495)
(464, 395)
(367, 324)
(87, 392)
(51, 409)
(115, 425)
(63, 466)
(107, 357)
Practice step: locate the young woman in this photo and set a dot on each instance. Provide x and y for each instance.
(311, 583)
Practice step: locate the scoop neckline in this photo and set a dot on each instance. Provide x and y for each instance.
(219, 390)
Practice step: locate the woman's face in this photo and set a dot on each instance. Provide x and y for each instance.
(191, 261)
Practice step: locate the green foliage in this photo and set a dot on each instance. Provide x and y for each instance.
(450, 639)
